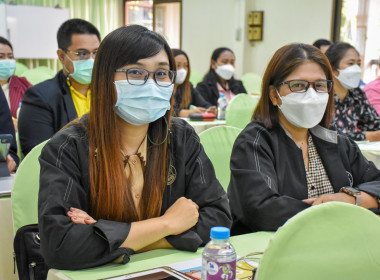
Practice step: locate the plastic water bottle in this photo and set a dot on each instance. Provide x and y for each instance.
(222, 105)
(219, 257)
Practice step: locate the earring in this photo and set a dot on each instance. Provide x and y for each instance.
(166, 136)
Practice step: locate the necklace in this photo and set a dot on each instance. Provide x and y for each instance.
(126, 158)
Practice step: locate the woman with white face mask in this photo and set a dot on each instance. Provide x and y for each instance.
(187, 99)
(219, 79)
(13, 86)
(354, 116)
(127, 177)
(287, 159)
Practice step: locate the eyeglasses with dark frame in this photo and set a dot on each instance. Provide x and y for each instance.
(139, 76)
(303, 86)
(83, 55)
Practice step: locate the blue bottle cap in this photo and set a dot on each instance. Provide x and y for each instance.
(220, 233)
(221, 95)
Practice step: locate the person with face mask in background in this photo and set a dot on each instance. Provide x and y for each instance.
(354, 116)
(13, 86)
(187, 99)
(50, 105)
(219, 79)
(138, 179)
(287, 159)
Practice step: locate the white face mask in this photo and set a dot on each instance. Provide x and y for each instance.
(181, 76)
(225, 71)
(350, 76)
(304, 109)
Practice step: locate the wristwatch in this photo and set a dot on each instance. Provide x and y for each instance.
(352, 192)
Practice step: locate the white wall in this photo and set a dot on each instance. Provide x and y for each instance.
(208, 24)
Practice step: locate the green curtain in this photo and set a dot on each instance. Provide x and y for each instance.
(106, 15)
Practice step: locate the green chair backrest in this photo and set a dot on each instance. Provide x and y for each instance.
(25, 190)
(240, 109)
(334, 240)
(252, 82)
(195, 77)
(217, 143)
(20, 68)
(38, 74)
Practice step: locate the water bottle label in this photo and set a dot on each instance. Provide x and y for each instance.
(221, 271)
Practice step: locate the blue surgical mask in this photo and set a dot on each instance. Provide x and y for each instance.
(7, 68)
(139, 105)
(82, 70)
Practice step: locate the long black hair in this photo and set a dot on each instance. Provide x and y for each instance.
(111, 194)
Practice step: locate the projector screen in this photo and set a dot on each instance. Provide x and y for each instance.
(32, 30)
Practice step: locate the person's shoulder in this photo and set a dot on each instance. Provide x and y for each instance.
(49, 88)
(256, 131)
(180, 126)
(74, 132)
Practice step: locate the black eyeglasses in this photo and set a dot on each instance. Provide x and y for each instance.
(139, 76)
(303, 86)
(83, 55)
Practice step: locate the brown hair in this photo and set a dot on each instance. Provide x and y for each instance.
(185, 87)
(110, 192)
(282, 64)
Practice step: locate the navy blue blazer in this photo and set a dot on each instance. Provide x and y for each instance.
(46, 108)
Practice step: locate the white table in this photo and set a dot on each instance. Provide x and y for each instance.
(6, 233)
(371, 150)
(200, 126)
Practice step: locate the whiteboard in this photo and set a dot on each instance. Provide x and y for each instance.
(32, 30)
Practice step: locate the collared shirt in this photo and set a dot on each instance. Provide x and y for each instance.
(134, 171)
(318, 182)
(227, 92)
(354, 115)
(372, 91)
(5, 88)
(81, 102)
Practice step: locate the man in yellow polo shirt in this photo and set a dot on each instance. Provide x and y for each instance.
(50, 105)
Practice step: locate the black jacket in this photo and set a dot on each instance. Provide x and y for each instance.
(268, 177)
(6, 125)
(209, 90)
(46, 108)
(64, 183)
(196, 100)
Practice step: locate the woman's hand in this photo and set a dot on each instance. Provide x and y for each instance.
(212, 110)
(11, 164)
(331, 197)
(78, 216)
(181, 216)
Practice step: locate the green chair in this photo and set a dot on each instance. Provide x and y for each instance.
(38, 74)
(334, 240)
(195, 77)
(217, 143)
(252, 82)
(25, 190)
(20, 68)
(240, 109)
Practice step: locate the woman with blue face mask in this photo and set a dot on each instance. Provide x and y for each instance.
(354, 116)
(287, 159)
(127, 177)
(13, 86)
(220, 78)
(187, 99)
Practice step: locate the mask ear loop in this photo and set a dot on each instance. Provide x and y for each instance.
(166, 136)
(68, 75)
